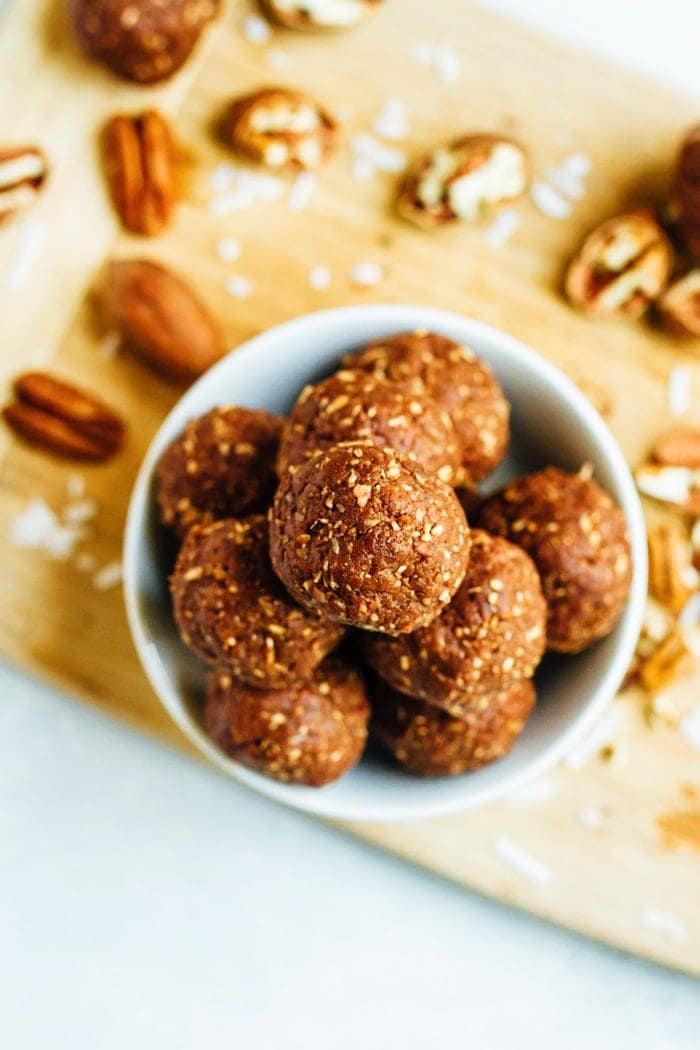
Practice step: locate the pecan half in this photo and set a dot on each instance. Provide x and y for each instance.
(464, 180)
(669, 565)
(622, 267)
(319, 14)
(680, 305)
(160, 318)
(63, 419)
(142, 40)
(282, 128)
(139, 161)
(23, 172)
(678, 447)
(685, 194)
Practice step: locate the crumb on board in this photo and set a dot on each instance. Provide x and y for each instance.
(109, 575)
(502, 227)
(228, 249)
(319, 277)
(301, 191)
(239, 287)
(366, 274)
(256, 30)
(391, 121)
(601, 736)
(663, 922)
(520, 861)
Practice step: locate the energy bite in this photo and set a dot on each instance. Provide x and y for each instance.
(432, 743)
(490, 637)
(232, 610)
(353, 405)
(221, 466)
(309, 733)
(577, 537)
(462, 384)
(360, 535)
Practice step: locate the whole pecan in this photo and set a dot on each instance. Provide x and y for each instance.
(139, 161)
(463, 180)
(319, 14)
(281, 127)
(685, 194)
(622, 267)
(63, 419)
(141, 40)
(160, 319)
(680, 305)
(23, 171)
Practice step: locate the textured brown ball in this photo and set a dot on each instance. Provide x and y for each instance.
(462, 384)
(361, 536)
(310, 733)
(577, 537)
(354, 405)
(221, 466)
(490, 637)
(141, 40)
(428, 741)
(231, 609)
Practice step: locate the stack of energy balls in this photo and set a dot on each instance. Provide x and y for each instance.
(328, 575)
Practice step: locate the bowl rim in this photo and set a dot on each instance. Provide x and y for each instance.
(406, 316)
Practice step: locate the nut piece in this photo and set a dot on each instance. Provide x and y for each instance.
(678, 447)
(232, 610)
(221, 466)
(671, 660)
(677, 485)
(489, 637)
(685, 195)
(464, 180)
(139, 160)
(311, 733)
(160, 319)
(427, 363)
(577, 538)
(431, 743)
(141, 40)
(281, 128)
(23, 172)
(319, 14)
(669, 565)
(63, 419)
(353, 405)
(361, 536)
(622, 267)
(679, 306)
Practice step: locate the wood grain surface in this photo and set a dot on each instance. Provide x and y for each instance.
(632, 880)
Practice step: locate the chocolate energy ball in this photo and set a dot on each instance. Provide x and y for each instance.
(232, 610)
(491, 636)
(309, 733)
(461, 383)
(430, 742)
(362, 536)
(577, 537)
(221, 466)
(353, 405)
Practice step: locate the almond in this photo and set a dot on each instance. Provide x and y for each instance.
(63, 419)
(160, 319)
(139, 161)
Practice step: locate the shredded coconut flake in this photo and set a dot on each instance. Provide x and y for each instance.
(108, 576)
(602, 734)
(256, 30)
(690, 728)
(547, 200)
(228, 249)
(590, 817)
(521, 861)
(239, 189)
(679, 397)
(85, 562)
(38, 528)
(441, 58)
(278, 58)
(239, 287)
(32, 235)
(75, 486)
(504, 225)
(302, 190)
(662, 922)
(319, 278)
(366, 274)
(370, 155)
(80, 511)
(392, 120)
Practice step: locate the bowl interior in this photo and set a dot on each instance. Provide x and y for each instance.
(551, 423)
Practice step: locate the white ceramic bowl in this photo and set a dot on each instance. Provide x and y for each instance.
(552, 422)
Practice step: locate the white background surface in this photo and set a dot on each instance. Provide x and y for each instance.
(144, 901)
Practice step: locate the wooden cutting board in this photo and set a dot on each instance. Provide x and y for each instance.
(614, 844)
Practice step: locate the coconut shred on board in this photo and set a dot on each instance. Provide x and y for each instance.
(520, 861)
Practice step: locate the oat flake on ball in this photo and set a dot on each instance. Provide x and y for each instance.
(461, 383)
(491, 636)
(231, 609)
(577, 537)
(354, 405)
(362, 536)
(309, 733)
